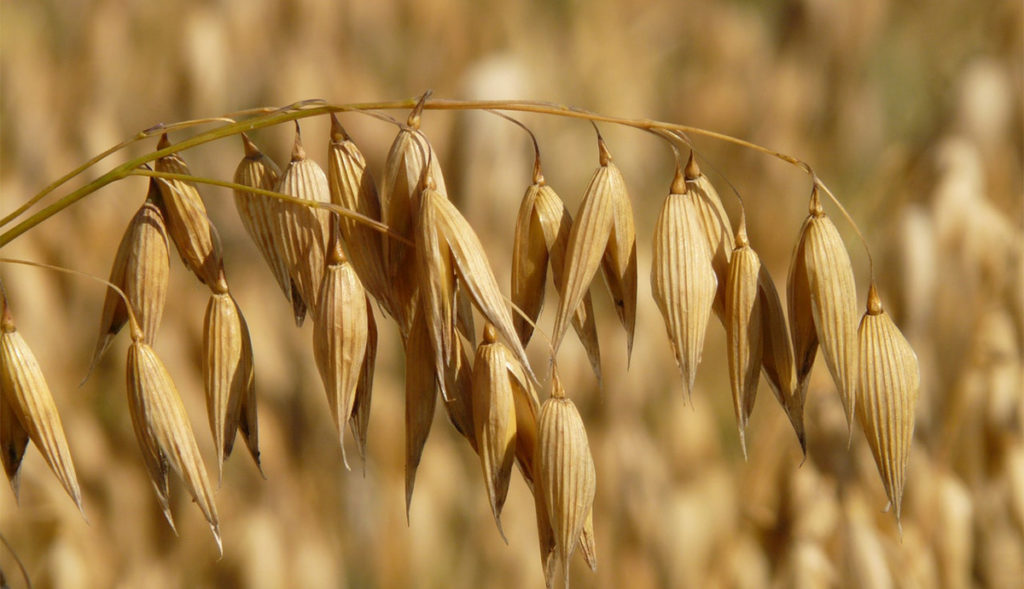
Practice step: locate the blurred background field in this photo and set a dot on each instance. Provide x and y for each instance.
(910, 111)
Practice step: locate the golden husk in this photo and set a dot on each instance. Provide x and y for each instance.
(744, 331)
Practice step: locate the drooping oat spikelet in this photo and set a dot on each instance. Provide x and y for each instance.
(24, 392)
(258, 211)
(302, 230)
(527, 408)
(340, 336)
(164, 432)
(141, 270)
(743, 329)
(227, 371)
(435, 281)
(404, 180)
(890, 380)
(777, 360)
(833, 301)
(715, 223)
(13, 441)
(190, 228)
(541, 238)
(683, 281)
(353, 187)
(602, 213)
(360, 419)
(566, 471)
(459, 404)
(420, 400)
(494, 419)
(248, 423)
(801, 318)
(474, 271)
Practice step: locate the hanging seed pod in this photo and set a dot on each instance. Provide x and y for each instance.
(589, 241)
(164, 432)
(191, 229)
(715, 222)
(474, 271)
(566, 471)
(890, 381)
(258, 212)
(25, 394)
(436, 283)
(828, 278)
(227, 371)
(459, 405)
(682, 279)
(141, 270)
(302, 229)
(247, 417)
(619, 263)
(527, 408)
(360, 420)
(777, 360)
(353, 187)
(420, 400)
(541, 238)
(743, 329)
(340, 336)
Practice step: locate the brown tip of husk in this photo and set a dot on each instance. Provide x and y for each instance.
(874, 302)
(338, 133)
(814, 207)
(251, 151)
(678, 182)
(164, 142)
(692, 169)
(604, 156)
(298, 152)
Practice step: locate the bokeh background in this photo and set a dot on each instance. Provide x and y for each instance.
(910, 111)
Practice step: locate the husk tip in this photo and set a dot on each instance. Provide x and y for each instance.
(692, 169)
(298, 152)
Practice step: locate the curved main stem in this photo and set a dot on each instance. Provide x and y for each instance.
(259, 118)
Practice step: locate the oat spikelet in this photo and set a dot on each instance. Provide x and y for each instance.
(683, 281)
(474, 272)
(189, 226)
(619, 263)
(353, 187)
(715, 223)
(164, 431)
(25, 394)
(890, 380)
(777, 360)
(141, 270)
(302, 230)
(541, 238)
(247, 415)
(589, 241)
(360, 419)
(340, 336)
(13, 440)
(420, 400)
(436, 282)
(258, 211)
(494, 419)
(227, 371)
(833, 298)
(527, 408)
(743, 329)
(566, 470)
(459, 404)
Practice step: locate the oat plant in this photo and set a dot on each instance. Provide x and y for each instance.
(340, 243)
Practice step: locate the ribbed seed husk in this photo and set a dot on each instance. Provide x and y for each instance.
(420, 399)
(247, 415)
(494, 419)
(13, 441)
(545, 534)
(777, 360)
(527, 408)
(165, 433)
(716, 226)
(459, 405)
(588, 240)
(833, 297)
(24, 391)
(141, 269)
(801, 318)
(340, 336)
(542, 238)
(258, 211)
(474, 272)
(619, 263)
(360, 419)
(227, 371)
(404, 180)
(744, 330)
(890, 381)
(435, 280)
(683, 281)
(566, 469)
(302, 230)
(352, 186)
(187, 222)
